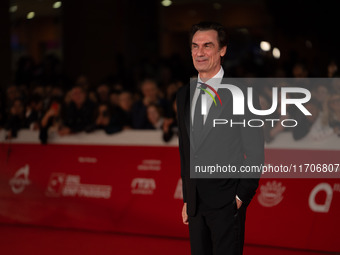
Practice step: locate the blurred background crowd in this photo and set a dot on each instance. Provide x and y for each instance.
(72, 81)
(110, 105)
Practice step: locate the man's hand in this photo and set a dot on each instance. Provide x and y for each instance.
(238, 203)
(166, 124)
(184, 214)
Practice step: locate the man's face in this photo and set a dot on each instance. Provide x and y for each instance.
(149, 89)
(125, 101)
(78, 96)
(153, 114)
(103, 92)
(206, 53)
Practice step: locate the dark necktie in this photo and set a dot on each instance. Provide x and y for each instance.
(198, 117)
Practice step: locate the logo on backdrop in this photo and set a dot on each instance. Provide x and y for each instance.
(150, 165)
(323, 207)
(144, 186)
(56, 184)
(61, 184)
(271, 194)
(20, 180)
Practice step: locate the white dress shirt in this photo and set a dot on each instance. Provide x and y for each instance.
(214, 80)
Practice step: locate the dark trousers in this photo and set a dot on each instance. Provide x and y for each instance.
(217, 231)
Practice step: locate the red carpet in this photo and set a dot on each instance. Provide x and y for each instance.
(18, 240)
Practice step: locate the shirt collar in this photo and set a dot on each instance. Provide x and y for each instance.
(216, 77)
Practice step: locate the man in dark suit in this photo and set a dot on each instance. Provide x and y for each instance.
(215, 208)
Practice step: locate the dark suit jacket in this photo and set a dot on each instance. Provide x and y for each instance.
(241, 146)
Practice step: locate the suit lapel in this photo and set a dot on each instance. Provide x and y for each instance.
(215, 113)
